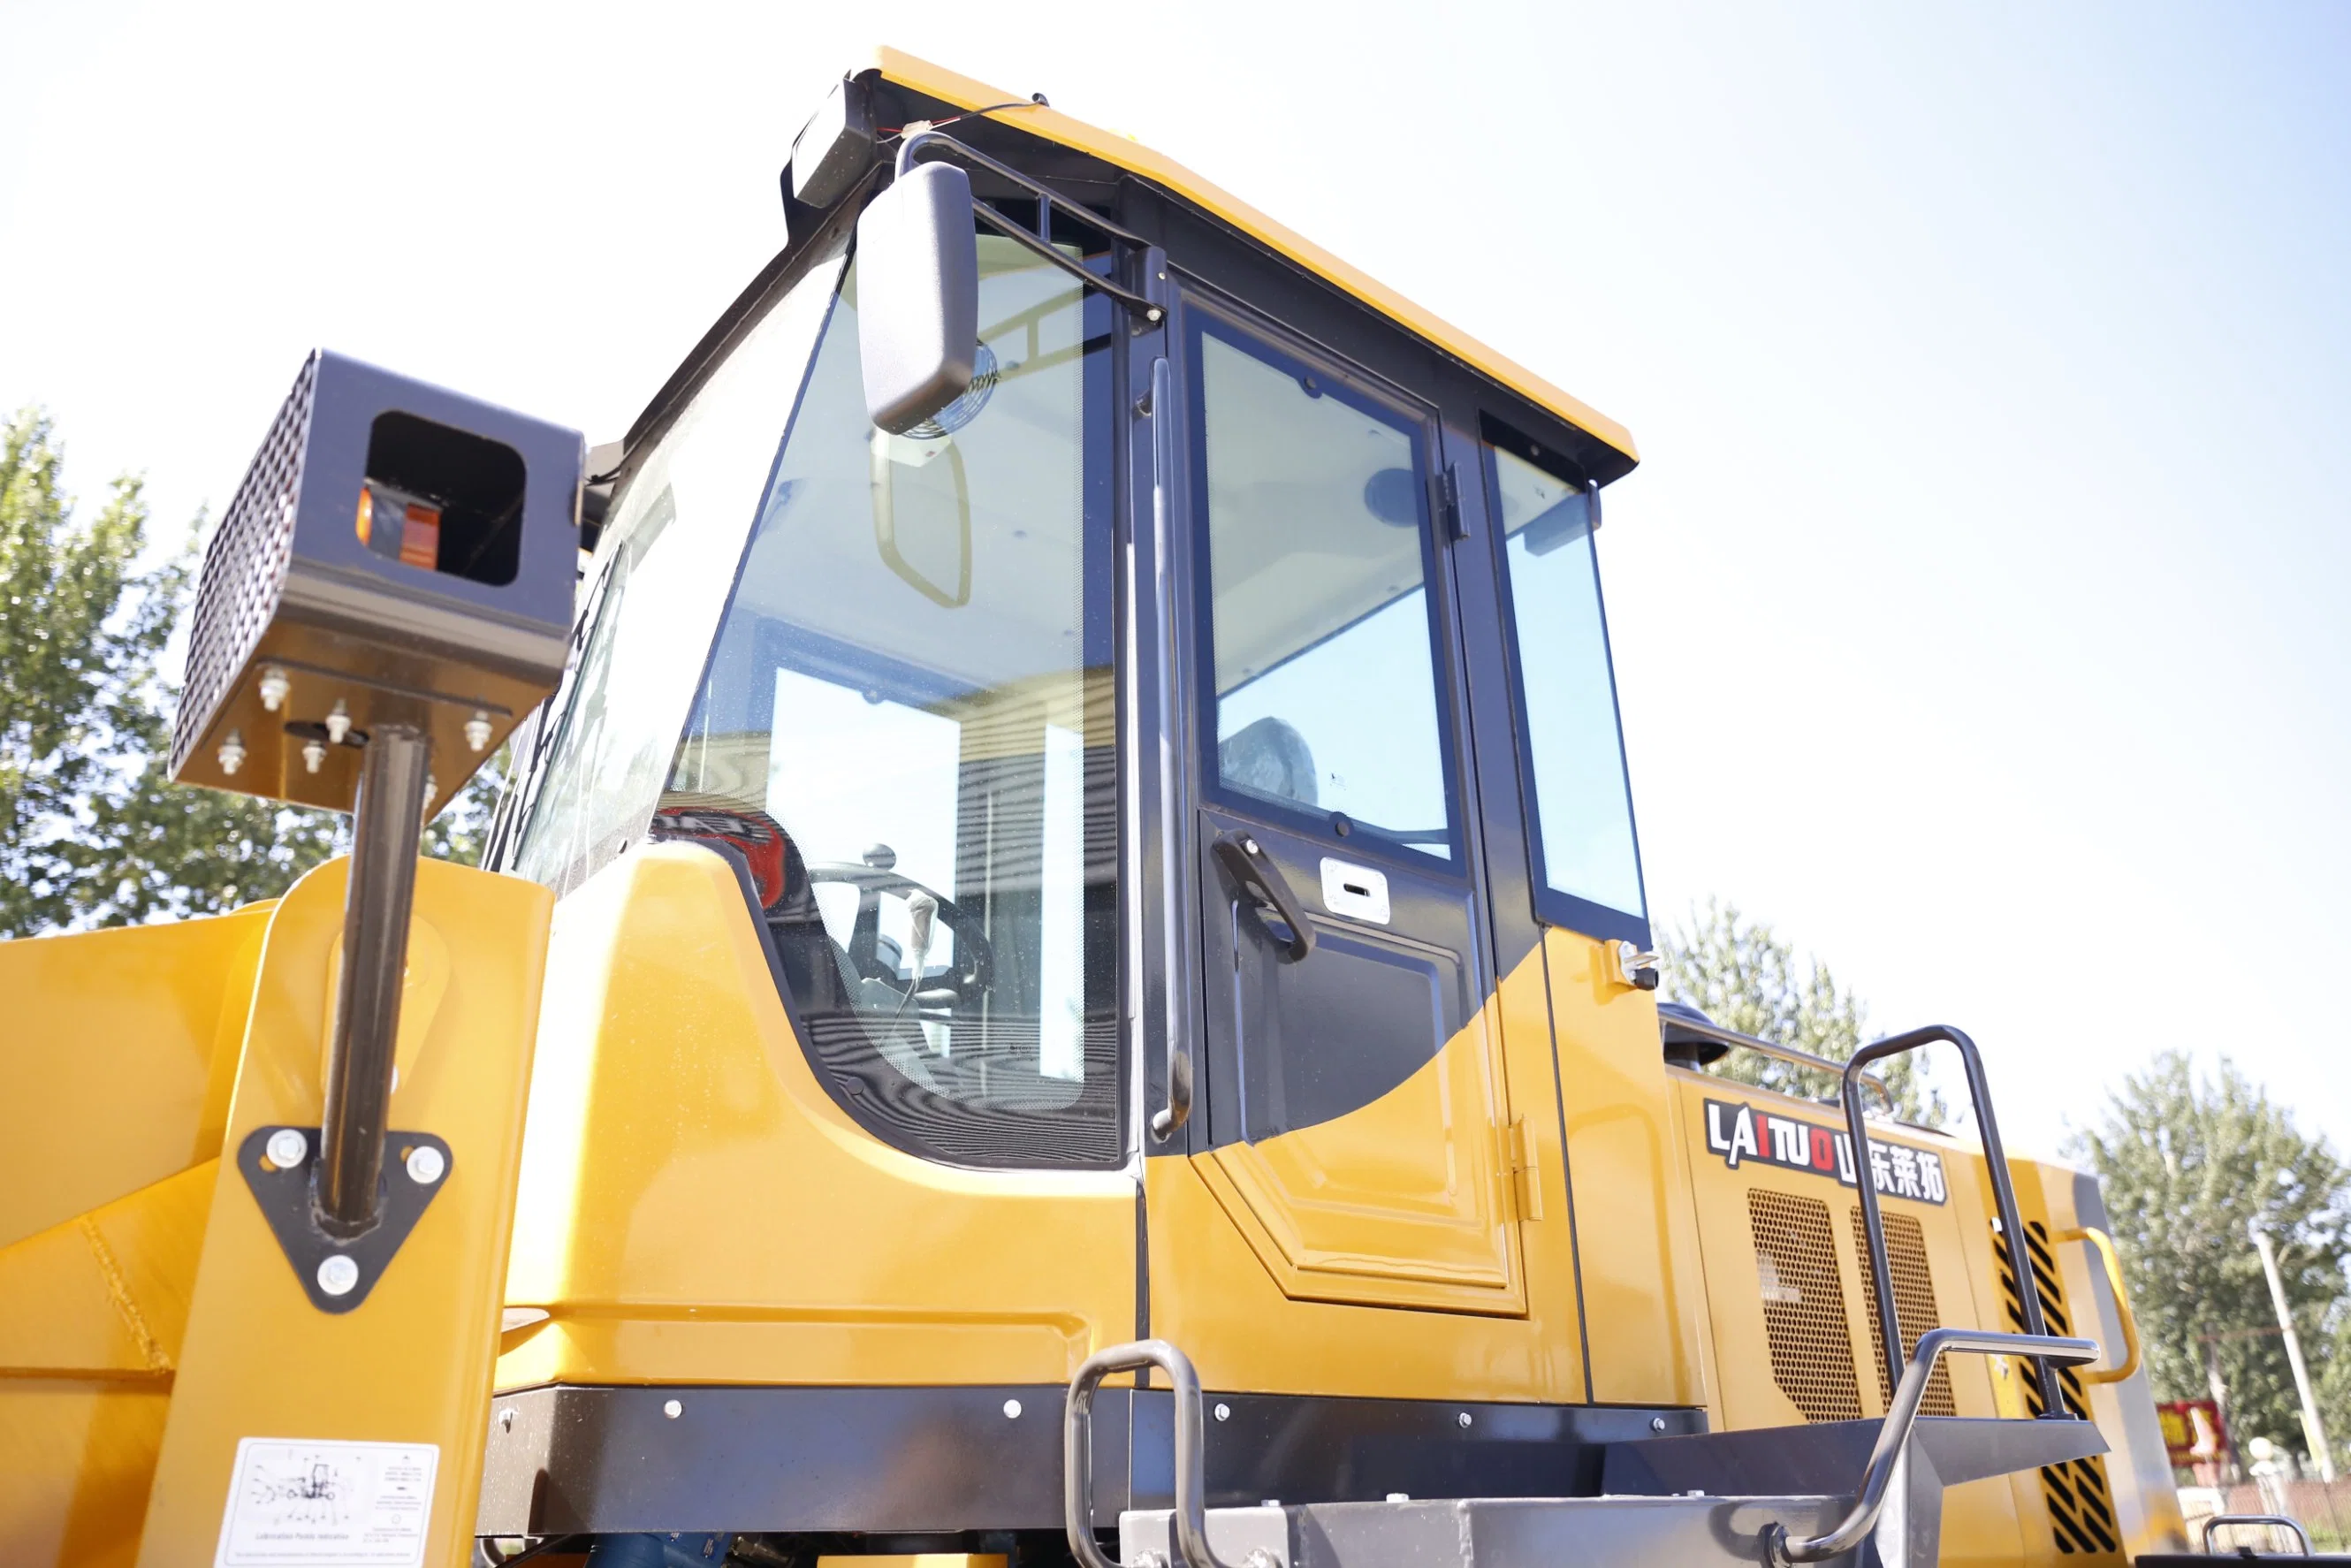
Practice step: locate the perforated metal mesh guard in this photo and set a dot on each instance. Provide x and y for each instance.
(1803, 1304)
(244, 567)
(1913, 1301)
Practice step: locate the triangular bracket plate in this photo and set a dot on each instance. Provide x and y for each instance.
(283, 1192)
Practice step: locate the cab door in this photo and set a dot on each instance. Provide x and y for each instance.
(1353, 1085)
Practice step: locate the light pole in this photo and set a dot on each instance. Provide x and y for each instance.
(2310, 1430)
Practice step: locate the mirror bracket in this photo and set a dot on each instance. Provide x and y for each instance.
(1149, 310)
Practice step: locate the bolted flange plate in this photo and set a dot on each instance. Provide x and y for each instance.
(337, 1275)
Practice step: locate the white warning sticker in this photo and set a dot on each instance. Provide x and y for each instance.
(301, 1503)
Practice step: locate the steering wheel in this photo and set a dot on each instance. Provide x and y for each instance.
(975, 965)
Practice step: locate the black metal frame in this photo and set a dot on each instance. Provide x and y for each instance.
(2011, 1229)
(1553, 906)
(1039, 240)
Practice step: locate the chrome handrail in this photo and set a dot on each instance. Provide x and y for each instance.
(1901, 1418)
(1789, 1053)
(2276, 1520)
(1191, 1513)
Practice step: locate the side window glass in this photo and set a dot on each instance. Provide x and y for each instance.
(1574, 749)
(907, 731)
(1321, 630)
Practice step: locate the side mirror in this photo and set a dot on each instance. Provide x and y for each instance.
(917, 295)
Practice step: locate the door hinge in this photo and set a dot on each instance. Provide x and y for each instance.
(1445, 503)
(1519, 1167)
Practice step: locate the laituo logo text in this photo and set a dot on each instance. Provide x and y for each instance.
(1739, 1133)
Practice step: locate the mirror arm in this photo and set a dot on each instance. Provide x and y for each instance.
(1047, 200)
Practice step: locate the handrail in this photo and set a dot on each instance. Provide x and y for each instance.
(2275, 1521)
(1191, 1513)
(1901, 1418)
(1789, 1053)
(2003, 1192)
(2104, 1245)
(1163, 458)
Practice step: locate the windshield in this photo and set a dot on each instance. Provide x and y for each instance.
(905, 723)
(654, 597)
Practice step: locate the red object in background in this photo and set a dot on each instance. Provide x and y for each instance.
(2192, 1432)
(752, 833)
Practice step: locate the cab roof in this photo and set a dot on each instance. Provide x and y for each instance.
(917, 75)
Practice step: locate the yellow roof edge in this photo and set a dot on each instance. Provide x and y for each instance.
(964, 92)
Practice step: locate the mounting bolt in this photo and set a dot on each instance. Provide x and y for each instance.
(673, 1409)
(232, 753)
(1224, 1411)
(338, 1274)
(477, 730)
(273, 688)
(426, 1165)
(339, 723)
(1657, 1422)
(1013, 1410)
(314, 755)
(286, 1148)
(1464, 1419)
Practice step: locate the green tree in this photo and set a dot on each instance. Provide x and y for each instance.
(2188, 1164)
(91, 830)
(1744, 976)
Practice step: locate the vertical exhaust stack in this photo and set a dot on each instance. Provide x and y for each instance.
(389, 594)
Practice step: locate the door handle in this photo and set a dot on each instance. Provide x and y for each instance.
(1241, 854)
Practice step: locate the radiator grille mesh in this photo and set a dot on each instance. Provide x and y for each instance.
(1914, 1303)
(1803, 1304)
(2080, 1507)
(245, 568)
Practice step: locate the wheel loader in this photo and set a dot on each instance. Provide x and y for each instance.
(1061, 975)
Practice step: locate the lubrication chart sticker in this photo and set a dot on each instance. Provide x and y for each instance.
(297, 1502)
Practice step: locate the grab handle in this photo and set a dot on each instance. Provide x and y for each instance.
(1191, 1512)
(2105, 1245)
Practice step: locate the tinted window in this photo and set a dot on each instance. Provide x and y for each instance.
(1575, 752)
(1318, 618)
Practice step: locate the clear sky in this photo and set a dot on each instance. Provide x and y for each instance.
(1978, 607)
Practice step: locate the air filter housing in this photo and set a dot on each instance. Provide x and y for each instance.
(396, 554)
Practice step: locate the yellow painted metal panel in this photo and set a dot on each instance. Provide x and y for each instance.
(105, 1293)
(1979, 1519)
(76, 1457)
(1402, 1202)
(91, 1315)
(1635, 1233)
(2139, 1470)
(115, 1031)
(412, 1365)
(1217, 1290)
(1126, 154)
(695, 1207)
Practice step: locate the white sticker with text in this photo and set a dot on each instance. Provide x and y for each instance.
(302, 1503)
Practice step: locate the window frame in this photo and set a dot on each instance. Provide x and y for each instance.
(1553, 906)
(1253, 334)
